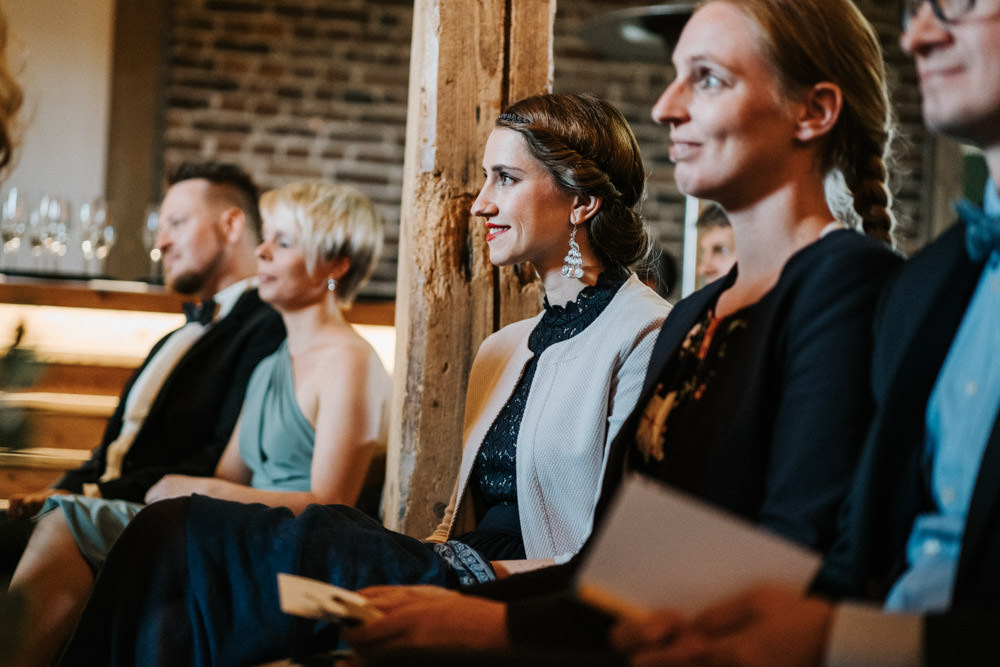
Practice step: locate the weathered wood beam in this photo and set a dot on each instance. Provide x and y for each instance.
(468, 60)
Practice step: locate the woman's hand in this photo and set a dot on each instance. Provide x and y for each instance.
(429, 617)
(767, 626)
(175, 486)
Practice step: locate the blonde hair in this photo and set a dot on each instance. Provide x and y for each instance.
(11, 98)
(809, 41)
(331, 221)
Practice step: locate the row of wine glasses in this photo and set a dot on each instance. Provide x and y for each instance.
(47, 231)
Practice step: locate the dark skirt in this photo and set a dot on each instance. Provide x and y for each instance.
(193, 581)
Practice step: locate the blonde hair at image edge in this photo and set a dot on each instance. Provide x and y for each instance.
(330, 221)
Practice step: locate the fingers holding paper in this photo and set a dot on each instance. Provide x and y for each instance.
(766, 626)
(429, 617)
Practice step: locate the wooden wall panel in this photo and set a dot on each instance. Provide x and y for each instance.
(463, 70)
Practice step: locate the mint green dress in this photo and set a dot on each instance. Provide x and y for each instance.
(276, 442)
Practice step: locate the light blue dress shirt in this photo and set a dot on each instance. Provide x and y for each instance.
(960, 416)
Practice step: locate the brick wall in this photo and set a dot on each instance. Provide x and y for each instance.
(297, 89)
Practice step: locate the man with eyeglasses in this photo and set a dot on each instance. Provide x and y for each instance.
(920, 533)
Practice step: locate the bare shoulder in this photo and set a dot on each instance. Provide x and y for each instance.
(347, 355)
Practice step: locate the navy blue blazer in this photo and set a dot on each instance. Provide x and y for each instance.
(193, 415)
(916, 321)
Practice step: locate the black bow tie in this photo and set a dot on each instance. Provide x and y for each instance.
(202, 313)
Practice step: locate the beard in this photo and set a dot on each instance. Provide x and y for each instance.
(194, 282)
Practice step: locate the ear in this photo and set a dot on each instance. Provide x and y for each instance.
(819, 111)
(584, 208)
(335, 268)
(233, 221)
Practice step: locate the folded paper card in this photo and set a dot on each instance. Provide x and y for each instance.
(659, 548)
(310, 598)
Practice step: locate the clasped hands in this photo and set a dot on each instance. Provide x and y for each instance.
(767, 626)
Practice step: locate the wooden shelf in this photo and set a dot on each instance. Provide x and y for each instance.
(106, 294)
(137, 296)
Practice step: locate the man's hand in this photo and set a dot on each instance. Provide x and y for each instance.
(765, 627)
(429, 617)
(28, 504)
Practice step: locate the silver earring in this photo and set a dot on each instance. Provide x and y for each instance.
(331, 283)
(573, 261)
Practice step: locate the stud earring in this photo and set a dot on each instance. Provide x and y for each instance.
(331, 283)
(573, 261)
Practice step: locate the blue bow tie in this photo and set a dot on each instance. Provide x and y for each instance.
(203, 312)
(982, 231)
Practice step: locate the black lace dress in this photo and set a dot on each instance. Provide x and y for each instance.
(494, 487)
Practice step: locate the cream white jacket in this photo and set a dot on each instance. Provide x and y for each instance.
(583, 390)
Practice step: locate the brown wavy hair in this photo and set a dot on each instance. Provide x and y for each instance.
(589, 148)
(11, 99)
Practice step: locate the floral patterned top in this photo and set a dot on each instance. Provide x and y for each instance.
(673, 406)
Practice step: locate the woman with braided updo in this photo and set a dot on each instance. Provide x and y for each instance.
(546, 395)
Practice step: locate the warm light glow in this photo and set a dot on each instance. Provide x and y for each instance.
(120, 337)
(383, 339)
(86, 335)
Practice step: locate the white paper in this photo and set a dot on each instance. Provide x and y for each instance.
(661, 549)
(310, 598)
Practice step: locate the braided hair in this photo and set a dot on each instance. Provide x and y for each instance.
(809, 41)
(590, 150)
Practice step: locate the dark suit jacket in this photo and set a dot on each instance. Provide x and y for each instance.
(781, 429)
(192, 416)
(916, 321)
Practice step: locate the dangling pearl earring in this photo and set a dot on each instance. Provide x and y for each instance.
(331, 283)
(573, 261)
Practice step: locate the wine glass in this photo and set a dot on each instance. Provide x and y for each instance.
(149, 231)
(57, 228)
(12, 224)
(104, 238)
(37, 232)
(93, 215)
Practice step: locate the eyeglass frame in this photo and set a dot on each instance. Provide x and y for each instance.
(908, 11)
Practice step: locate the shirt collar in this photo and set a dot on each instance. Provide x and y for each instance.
(227, 297)
(991, 198)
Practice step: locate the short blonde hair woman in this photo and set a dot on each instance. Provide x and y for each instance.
(332, 221)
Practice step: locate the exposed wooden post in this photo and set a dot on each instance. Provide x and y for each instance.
(135, 128)
(468, 60)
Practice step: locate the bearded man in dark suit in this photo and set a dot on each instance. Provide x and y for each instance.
(178, 409)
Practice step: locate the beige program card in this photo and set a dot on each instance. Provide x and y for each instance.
(309, 598)
(658, 548)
